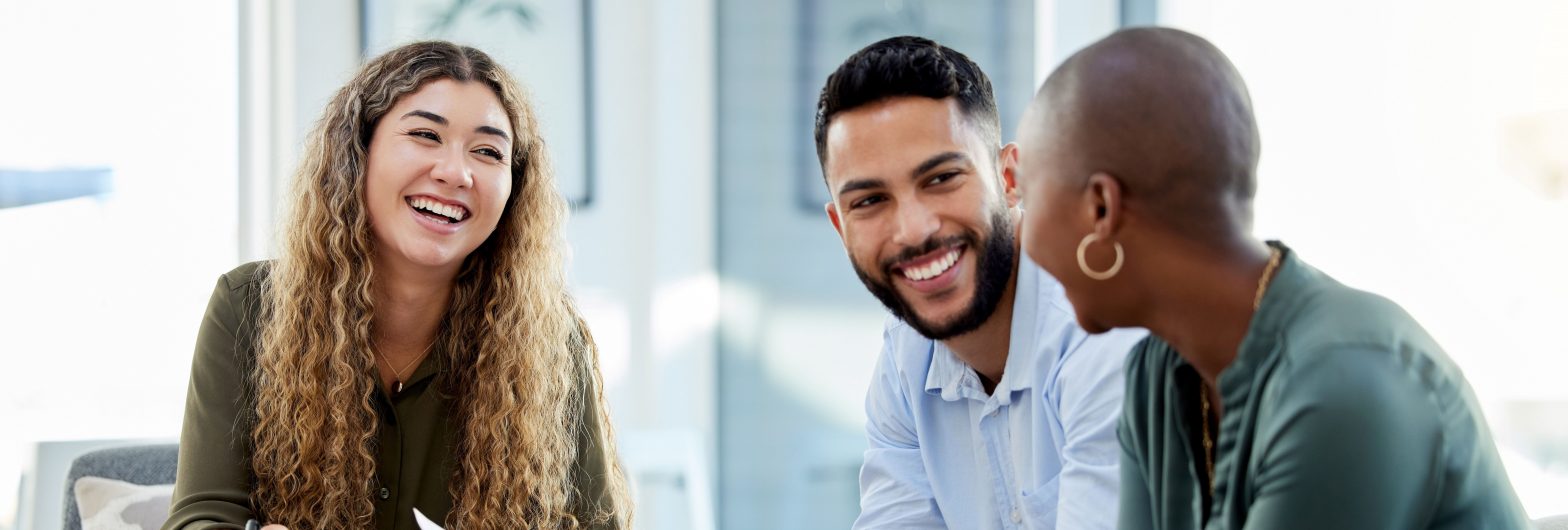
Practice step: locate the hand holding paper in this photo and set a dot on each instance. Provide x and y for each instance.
(424, 522)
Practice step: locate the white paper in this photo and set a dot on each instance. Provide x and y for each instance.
(424, 522)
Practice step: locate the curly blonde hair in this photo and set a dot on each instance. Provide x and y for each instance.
(516, 349)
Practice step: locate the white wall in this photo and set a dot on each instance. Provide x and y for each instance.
(293, 56)
(1062, 27)
(643, 264)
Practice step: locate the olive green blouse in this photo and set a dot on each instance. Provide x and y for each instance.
(415, 438)
(1339, 412)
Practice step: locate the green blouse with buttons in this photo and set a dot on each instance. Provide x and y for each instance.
(1339, 412)
(415, 438)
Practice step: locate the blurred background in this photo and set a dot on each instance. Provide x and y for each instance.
(1417, 149)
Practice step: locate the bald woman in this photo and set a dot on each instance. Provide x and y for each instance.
(1268, 395)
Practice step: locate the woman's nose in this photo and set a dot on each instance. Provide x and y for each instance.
(452, 171)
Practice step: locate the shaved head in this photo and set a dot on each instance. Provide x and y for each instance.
(1165, 113)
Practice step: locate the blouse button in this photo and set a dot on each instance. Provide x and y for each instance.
(386, 494)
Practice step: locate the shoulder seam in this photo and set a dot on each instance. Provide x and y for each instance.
(245, 274)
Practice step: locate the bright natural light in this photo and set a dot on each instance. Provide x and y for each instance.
(1412, 148)
(102, 293)
(1415, 149)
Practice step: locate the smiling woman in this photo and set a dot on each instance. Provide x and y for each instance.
(438, 176)
(414, 347)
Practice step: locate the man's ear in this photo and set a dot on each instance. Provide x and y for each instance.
(1007, 164)
(1104, 204)
(832, 210)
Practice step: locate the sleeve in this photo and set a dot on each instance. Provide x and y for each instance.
(1135, 502)
(895, 492)
(1353, 443)
(597, 473)
(1090, 387)
(212, 484)
(1135, 509)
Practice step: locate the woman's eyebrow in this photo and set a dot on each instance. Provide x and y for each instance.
(483, 129)
(486, 129)
(426, 115)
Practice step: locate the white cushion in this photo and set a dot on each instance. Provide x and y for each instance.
(108, 504)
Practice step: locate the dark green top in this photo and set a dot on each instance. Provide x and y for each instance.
(415, 438)
(1339, 412)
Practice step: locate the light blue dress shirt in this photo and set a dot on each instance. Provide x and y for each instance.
(1038, 453)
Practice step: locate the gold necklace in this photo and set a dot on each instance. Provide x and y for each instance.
(397, 374)
(1268, 276)
(1203, 388)
(1208, 441)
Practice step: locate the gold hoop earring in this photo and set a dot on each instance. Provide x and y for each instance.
(1083, 263)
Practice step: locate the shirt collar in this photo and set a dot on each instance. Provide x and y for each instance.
(433, 364)
(1293, 281)
(947, 376)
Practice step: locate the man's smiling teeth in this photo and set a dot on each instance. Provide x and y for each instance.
(931, 270)
(456, 213)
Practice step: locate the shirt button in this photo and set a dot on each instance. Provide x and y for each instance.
(1016, 517)
(387, 494)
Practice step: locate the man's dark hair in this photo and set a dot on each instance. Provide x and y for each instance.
(908, 66)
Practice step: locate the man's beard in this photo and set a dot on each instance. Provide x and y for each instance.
(994, 261)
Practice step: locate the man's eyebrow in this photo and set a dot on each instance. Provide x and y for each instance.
(860, 184)
(938, 160)
(931, 163)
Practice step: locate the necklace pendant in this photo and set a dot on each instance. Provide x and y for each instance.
(397, 386)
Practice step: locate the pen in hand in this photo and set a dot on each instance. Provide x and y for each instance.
(253, 524)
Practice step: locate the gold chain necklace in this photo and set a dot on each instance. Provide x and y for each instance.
(1203, 388)
(1268, 275)
(1208, 441)
(397, 374)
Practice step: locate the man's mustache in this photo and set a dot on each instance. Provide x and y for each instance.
(929, 246)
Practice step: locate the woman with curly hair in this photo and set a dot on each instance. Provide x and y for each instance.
(414, 345)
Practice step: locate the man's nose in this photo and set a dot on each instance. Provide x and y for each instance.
(916, 224)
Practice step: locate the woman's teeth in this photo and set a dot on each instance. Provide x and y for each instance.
(453, 213)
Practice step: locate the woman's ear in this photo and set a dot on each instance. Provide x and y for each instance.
(1103, 195)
